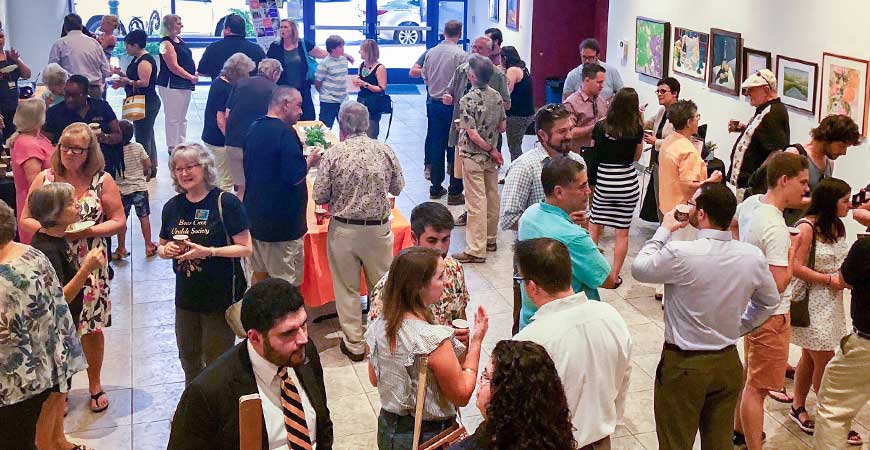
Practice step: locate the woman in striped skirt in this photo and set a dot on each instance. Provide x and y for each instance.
(618, 144)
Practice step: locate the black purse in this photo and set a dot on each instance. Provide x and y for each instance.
(800, 310)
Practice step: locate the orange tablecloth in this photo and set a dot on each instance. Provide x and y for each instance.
(317, 280)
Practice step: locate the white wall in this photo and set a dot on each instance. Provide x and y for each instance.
(478, 21)
(800, 29)
(32, 26)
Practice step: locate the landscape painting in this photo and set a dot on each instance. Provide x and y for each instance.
(796, 82)
(725, 61)
(690, 53)
(844, 88)
(651, 51)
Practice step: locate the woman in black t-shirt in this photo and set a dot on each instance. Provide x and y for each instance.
(205, 232)
(12, 68)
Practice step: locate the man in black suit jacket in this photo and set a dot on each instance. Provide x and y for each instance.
(207, 416)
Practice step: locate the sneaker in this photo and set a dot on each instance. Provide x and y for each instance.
(355, 357)
(437, 194)
(455, 199)
(468, 259)
(427, 172)
(462, 220)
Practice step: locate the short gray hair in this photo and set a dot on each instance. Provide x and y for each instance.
(353, 118)
(48, 202)
(269, 67)
(169, 21)
(237, 67)
(54, 74)
(7, 223)
(482, 68)
(193, 151)
(283, 94)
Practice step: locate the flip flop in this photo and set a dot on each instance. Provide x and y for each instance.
(118, 255)
(95, 398)
(854, 438)
(785, 398)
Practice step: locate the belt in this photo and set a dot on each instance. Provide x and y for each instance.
(406, 423)
(861, 334)
(362, 222)
(674, 348)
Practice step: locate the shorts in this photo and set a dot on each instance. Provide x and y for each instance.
(766, 351)
(235, 157)
(284, 260)
(139, 200)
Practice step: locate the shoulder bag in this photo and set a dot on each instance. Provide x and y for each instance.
(133, 108)
(233, 313)
(800, 309)
(312, 62)
(378, 103)
(442, 440)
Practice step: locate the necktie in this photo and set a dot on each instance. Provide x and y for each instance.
(595, 108)
(294, 414)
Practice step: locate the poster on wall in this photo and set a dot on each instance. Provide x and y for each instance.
(512, 14)
(651, 52)
(796, 82)
(493, 10)
(690, 53)
(725, 61)
(756, 60)
(844, 88)
(265, 20)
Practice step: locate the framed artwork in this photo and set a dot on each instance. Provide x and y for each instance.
(844, 88)
(726, 60)
(755, 60)
(653, 42)
(796, 82)
(512, 14)
(690, 53)
(493, 10)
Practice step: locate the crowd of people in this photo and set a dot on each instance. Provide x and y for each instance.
(758, 251)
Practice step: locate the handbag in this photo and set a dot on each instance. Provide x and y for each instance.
(800, 310)
(442, 440)
(233, 313)
(312, 62)
(133, 108)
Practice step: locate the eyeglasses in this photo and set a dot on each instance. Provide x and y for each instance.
(485, 378)
(663, 91)
(186, 168)
(553, 107)
(72, 150)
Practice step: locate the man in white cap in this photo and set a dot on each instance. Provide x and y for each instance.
(765, 133)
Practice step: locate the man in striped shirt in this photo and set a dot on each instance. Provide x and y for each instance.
(331, 80)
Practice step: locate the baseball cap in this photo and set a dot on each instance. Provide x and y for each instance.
(763, 77)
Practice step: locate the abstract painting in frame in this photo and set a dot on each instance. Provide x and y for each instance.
(652, 49)
(796, 82)
(726, 56)
(756, 60)
(512, 14)
(690, 49)
(844, 88)
(493, 10)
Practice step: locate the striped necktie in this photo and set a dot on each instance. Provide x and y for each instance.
(294, 414)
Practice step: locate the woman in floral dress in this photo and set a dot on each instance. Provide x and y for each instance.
(39, 349)
(79, 162)
(822, 224)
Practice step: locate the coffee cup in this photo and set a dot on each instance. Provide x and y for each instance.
(320, 214)
(682, 212)
(95, 127)
(181, 240)
(459, 324)
(733, 125)
(392, 199)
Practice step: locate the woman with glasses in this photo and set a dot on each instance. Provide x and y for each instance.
(402, 336)
(655, 132)
(79, 162)
(522, 402)
(204, 231)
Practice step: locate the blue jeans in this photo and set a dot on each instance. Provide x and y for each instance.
(328, 113)
(397, 432)
(440, 120)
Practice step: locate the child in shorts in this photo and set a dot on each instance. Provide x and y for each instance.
(331, 80)
(134, 191)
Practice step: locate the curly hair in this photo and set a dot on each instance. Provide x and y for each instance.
(837, 128)
(528, 408)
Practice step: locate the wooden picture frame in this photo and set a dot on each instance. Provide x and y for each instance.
(652, 49)
(493, 10)
(512, 14)
(796, 82)
(844, 88)
(690, 54)
(755, 60)
(725, 47)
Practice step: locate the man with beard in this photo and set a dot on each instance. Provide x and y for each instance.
(716, 290)
(276, 361)
(522, 185)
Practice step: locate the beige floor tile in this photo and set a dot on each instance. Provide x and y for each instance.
(151, 435)
(80, 417)
(640, 380)
(156, 369)
(154, 340)
(352, 414)
(341, 381)
(156, 403)
(625, 443)
(154, 314)
(117, 374)
(646, 338)
(491, 301)
(639, 416)
(363, 441)
(649, 441)
(114, 438)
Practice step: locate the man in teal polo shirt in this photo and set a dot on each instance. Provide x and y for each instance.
(566, 190)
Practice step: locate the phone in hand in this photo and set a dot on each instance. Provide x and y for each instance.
(859, 199)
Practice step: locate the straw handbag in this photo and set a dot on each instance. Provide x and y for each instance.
(134, 108)
(442, 440)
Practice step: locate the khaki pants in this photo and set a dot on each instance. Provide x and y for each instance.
(349, 247)
(482, 203)
(284, 259)
(235, 164)
(221, 163)
(696, 391)
(845, 390)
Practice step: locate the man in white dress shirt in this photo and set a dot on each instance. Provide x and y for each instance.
(708, 284)
(207, 416)
(588, 341)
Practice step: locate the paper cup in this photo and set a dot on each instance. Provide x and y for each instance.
(180, 237)
(682, 212)
(459, 324)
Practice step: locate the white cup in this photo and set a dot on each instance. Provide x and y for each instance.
(682, 212)
(459, 324)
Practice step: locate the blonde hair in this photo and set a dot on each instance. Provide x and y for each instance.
(95, 161)
(193, 152)
(370, 46)
(108, 18)
(166, 24)
(30, 116)
(293, 27)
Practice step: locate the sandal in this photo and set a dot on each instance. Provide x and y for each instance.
(95, 398)
(118, 255)
(807, 426)
(854, 438)
(780, 396)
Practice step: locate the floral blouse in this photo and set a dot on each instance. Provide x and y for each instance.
(39, 347)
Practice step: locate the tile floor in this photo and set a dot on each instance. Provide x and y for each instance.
(144, 379)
